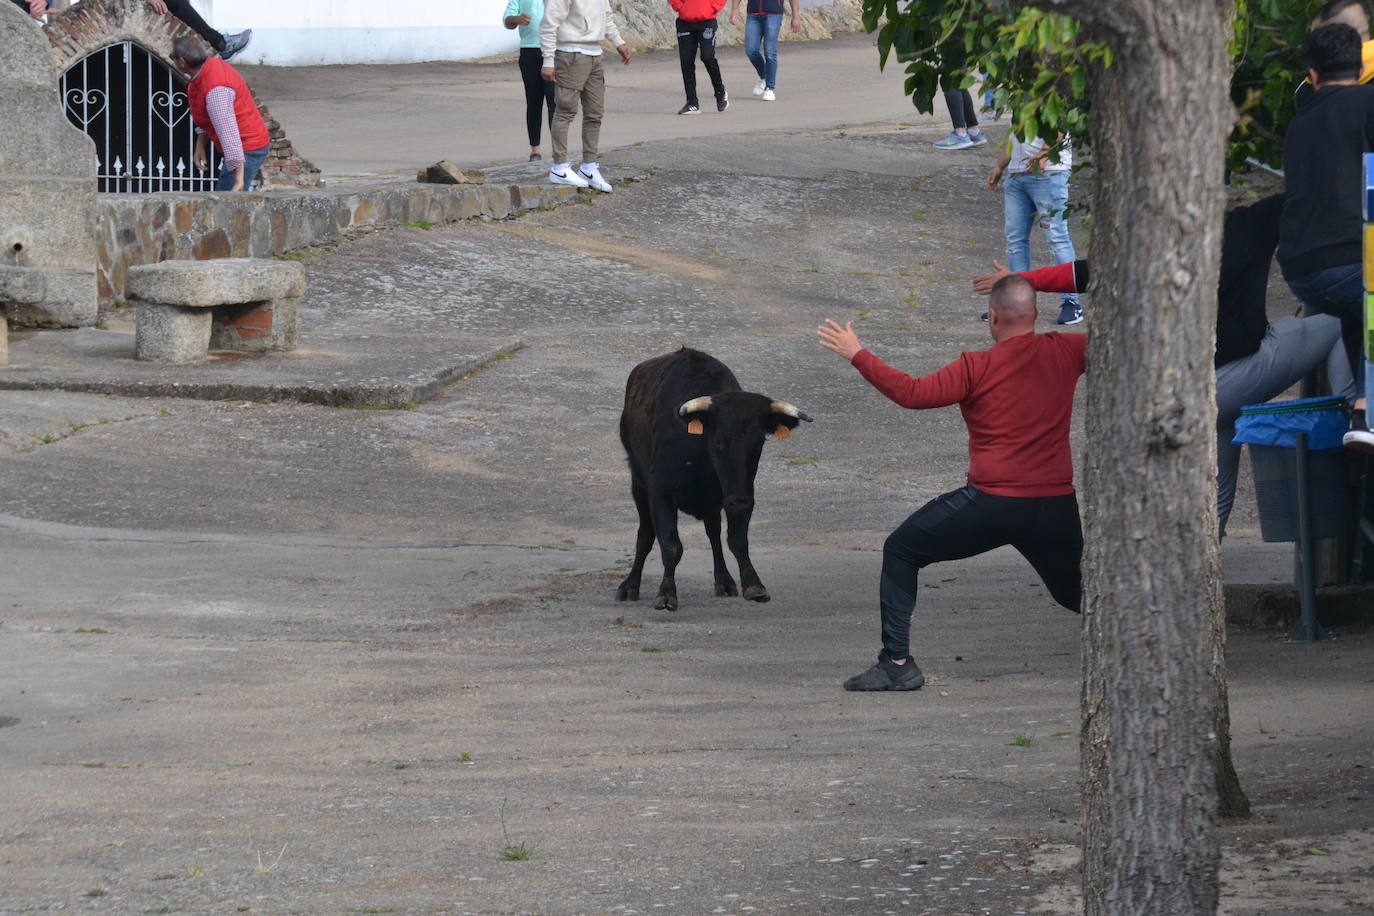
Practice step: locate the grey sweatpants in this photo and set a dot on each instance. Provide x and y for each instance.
(1292, 347)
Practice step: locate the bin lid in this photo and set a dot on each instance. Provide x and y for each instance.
(1323, 420)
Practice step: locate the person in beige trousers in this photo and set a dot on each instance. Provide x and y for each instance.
(570, 41)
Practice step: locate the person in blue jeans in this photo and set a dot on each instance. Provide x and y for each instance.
(1036, 187)
(1320, 249)
(763, 23)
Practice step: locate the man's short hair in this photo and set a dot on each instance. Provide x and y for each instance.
(191, 50)
(1012, 296)
(1340, 11)
(1334, 52)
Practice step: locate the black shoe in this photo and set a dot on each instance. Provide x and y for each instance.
(1359, 438)
(233, 44)
(722, 101)
(690, 108)
(887, 676)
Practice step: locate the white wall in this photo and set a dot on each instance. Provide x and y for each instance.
(309, 32)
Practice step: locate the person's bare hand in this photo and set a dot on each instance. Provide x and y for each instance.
(37, 8)
(796, 24)
(523, 19)
(547, 74)
(841, 340)
(994, 178)
(734, 16)
(624, 51)
(159, 5)
(984, 284)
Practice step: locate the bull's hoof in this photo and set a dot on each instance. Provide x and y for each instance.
(627, 592)
(666, 602)
(756, 593)
(726, 588)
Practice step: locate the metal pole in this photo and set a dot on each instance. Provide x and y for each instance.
(1308, 631)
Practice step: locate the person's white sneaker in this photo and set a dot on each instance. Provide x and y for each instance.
(563, 174)
(760, 86)
(769, 95)
(591, 173)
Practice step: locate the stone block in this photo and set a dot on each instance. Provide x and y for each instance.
(21, 284)
(445, 172)
(227, 281)
(171, 334)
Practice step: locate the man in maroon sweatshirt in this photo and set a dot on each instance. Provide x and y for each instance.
(696, 31)
(1017, 401)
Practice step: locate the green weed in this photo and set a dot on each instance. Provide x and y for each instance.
(1022, 741)
(96, 631)
(650, 649)
(465, 757)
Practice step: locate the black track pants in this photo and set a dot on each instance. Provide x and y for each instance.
(694, 38)
(538, 92)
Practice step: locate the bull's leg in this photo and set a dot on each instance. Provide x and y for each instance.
(725, 583)
(669, 548)
(644, 542)
(737, 536)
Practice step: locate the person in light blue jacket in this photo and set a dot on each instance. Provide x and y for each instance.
(525, 15)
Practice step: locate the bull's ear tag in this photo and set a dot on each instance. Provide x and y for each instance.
(782, 432)
(695, 428)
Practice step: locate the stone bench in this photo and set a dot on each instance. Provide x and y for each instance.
(18, 286)
(187, 308)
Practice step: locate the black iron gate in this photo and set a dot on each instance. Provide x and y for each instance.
(135, 108)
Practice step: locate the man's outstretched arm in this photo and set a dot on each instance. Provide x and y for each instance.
(948, 386)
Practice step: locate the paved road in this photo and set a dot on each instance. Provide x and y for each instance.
(275, 658)
(391, 119)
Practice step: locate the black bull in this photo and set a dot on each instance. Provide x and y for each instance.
(693, 439)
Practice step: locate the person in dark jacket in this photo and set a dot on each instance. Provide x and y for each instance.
(1255, 360)
(1320, 250)
(696, 33)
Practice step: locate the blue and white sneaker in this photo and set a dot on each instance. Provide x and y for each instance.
(977, 138)
(955, 140)
(1070, 313)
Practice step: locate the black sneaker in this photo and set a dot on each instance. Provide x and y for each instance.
(1359, 438)
(690, 108)
(722, 101)
(887, 676)
(233, 44)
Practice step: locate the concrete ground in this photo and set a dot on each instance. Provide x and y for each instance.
(279, 658)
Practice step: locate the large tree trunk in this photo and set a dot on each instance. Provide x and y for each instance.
(1156, 746)
(1153, 691)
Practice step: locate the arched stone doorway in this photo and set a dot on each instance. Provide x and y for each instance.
(134, 107)
(84, 31)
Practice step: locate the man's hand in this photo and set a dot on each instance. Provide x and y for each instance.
(238, 178)
(734, 15)
(198, 158)
(523, 19)
(842, 340)
(985, 283)
(624, 52)
(37, 8)
(547, 73)
(159, 5)
(796, 23)
(995, 177)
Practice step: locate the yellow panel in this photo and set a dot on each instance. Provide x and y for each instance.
(1369, 257)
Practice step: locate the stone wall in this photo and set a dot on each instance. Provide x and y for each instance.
(653, 24)
(47, 181)
(147, 228)
(91, 25)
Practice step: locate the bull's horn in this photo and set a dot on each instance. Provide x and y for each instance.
(785, 408)
(695, 405)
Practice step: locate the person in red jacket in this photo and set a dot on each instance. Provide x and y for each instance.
(696, 32)
(223, 109)
(1020, 475)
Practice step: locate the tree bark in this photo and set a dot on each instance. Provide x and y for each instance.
(1152, 576)
(1155, 746)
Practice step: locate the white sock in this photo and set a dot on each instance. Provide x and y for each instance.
(589, 165)
(562, 165)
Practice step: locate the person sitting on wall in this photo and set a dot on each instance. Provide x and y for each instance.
(226, 45)
(223, 109)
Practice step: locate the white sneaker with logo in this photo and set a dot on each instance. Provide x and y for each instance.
(769, 95)
(563, 174)
(590, 172)
(760, 86)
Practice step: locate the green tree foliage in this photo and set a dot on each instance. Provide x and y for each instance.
(1040, 66)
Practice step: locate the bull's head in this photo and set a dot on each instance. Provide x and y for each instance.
(735, 424)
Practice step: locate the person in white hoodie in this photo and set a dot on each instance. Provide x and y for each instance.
(570, 41)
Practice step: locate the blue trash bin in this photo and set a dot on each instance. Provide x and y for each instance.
(1271, 430)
